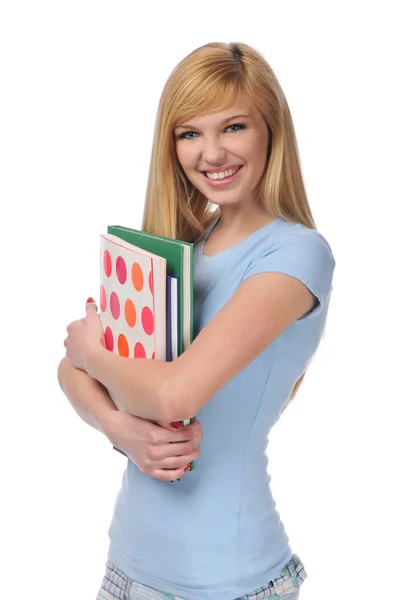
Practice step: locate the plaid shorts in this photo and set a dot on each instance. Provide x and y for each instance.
(284, 587)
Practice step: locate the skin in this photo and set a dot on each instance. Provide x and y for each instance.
(153, 446)
(174, 391)
(236, 136)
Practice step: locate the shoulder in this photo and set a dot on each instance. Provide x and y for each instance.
(297, 251)
(289, 236)
(305, 248)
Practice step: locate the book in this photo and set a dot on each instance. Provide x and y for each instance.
(146, 295)
(179, 257)
(172, 321)
(132, 299)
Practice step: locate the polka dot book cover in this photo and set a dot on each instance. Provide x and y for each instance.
(133, 299)
(179, 257)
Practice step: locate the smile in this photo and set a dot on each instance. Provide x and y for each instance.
(222, 174)
(221, 178)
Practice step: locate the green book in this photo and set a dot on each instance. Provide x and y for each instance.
(179, 257)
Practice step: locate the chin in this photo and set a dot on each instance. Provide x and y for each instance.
(224, 199)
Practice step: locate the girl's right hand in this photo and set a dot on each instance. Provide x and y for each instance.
(154, 446)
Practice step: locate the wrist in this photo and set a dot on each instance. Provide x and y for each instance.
(107, 424)
(92, 361)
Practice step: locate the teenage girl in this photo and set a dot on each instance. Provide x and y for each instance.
(225, 174)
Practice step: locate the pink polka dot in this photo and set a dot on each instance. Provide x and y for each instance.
(147, 320)
(102, 298)
(139, 351)
(150, 281)
(115, 305)
(121, 270)
(107, 263)
(109, 339)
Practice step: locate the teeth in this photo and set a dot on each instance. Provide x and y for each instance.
(222, 175)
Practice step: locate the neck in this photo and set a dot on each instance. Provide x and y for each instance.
(241, 221)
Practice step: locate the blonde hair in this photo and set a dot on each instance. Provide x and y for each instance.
(207, 80)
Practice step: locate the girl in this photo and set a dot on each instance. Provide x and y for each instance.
(263, 277)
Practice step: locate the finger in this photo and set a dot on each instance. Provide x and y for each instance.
(71, 328)
(166, 436)
(169, 475)
(196, 427)
(91, 306)
(178, 462)
(193, 431)
(172, 456)
(160, 432)
(175, 426)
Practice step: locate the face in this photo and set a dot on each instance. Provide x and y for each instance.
(224, 154)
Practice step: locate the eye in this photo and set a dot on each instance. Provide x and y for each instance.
(187, 135)
(236, 127)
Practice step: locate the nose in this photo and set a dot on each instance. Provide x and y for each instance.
(213, 152)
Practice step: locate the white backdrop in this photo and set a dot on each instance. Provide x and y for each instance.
(80, 83)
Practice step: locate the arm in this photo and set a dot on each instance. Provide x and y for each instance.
(87, 396)
(283, 284)
(260, 310)
(152, 447)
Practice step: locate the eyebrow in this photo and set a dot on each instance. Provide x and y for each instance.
(222, 122)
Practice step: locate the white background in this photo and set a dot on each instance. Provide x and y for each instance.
(80, 83)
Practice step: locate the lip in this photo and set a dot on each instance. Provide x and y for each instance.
(221, 183)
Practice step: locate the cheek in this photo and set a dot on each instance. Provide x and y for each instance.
(257, 155)
(187, 156)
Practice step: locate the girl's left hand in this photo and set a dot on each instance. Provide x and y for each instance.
(84, 336)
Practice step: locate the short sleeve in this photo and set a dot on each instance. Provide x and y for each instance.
(303, 254)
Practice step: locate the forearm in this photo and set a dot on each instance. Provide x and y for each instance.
(138, 385)
(86, 395)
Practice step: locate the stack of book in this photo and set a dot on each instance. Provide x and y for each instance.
(146, 294)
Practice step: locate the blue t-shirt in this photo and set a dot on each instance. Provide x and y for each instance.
(216, 534)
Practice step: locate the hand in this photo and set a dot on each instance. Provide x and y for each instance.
(84, 336)
(154, 447)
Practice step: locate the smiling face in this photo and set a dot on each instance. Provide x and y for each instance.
(223, 154)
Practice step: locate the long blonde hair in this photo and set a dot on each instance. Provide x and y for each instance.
(207, 80)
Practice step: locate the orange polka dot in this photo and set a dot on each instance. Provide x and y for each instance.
(137, 277)
(130, 313)
(123, 346)
(107, 263)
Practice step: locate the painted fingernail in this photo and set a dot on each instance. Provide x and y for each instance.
(187, 467)
(176, 424)
(89, 300)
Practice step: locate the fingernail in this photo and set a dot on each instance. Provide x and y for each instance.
(187, 467)
(176, 425)
(89, 300)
